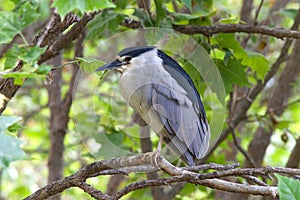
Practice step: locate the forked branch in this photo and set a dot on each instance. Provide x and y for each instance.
(151, 161)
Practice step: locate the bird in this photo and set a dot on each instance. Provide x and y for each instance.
(164, 96)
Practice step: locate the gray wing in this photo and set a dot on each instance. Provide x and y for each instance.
(187, 128)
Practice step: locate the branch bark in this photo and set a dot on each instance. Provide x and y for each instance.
(177, 175)
(208, 31)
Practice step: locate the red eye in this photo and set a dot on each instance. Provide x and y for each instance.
(127, 58)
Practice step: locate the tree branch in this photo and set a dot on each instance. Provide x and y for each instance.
(64, 40)
(92, 191)
(210, 179)
(208, 31)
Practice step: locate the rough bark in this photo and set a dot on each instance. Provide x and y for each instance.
(144, 163)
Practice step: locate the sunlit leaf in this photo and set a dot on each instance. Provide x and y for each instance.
(232, 72)
(7, 121)
(146, 20)
(43, 69)
(19, 77)
(160, 11)
(29, 55)
(9, 145)
(9, 26)
(257, 62)
(89, 64)
(13, 23)
(105, 21)
(66, 6)
(289, 188)
(187, 3)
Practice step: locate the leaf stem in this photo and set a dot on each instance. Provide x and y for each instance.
(23, 38)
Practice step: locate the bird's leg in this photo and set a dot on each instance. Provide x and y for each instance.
(157, 153)
(159, 144)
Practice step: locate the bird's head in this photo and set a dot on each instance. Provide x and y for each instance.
(129, 57)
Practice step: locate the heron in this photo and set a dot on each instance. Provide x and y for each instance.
(165, 98)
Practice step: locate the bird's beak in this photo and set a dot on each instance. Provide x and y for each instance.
(112, 65)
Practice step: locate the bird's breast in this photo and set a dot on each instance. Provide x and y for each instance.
(136, 88)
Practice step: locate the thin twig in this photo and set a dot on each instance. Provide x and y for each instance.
(254, 180)
(257, 12)
(241, 149)
(92, 191)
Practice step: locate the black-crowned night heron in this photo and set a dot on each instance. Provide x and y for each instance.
(164, 96)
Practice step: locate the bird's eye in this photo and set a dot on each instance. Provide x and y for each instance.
(127, 58)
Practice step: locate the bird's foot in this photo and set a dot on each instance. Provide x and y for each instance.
(155, 157)
(157, 153)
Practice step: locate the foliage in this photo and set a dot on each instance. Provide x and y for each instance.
(10, 149)
(15, 21)
(288, 188)
(65, 6)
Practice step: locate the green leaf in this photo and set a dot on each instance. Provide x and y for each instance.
(9, 145)
(43, 69)
(289, 189)
(183, 16)
(230, 20)
(11, 57)
(187, 3)
(29, 55)
(289, 12)
(66, 6)
(257, 62)
(147, 20)
(228, 41)
(88, 64)
(28, 13)
(13, 23)
(7, 121)
(105, 21)
(232, 72)
(160, 11)
(20, 76)
(9, 26)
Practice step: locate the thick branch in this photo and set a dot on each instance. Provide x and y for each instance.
(178, 175)
(208, 31)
